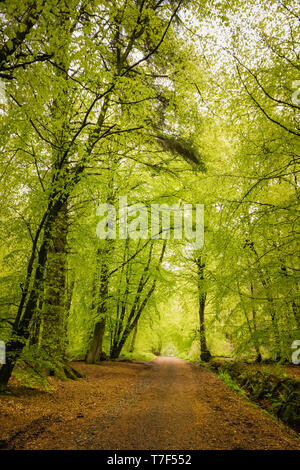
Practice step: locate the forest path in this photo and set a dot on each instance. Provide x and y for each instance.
(167, 404)
(181, 406)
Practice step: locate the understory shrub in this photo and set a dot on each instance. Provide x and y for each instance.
(275, 392)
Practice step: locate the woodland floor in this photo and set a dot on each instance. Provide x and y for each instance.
(165, 404)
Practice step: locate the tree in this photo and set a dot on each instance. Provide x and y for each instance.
(74, 147)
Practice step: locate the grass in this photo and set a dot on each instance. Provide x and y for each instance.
(138, 356)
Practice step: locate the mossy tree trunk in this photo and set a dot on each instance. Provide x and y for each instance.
(54, 304)
(30, 299)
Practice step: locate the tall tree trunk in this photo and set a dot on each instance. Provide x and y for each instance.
(133, 339)
(95, 351)
(69, 297)
(21, 331)
(252, 327)
(265, 281)
(205, 354)
(54, 305)
(255, 341)
(138, 306)
(54, 302)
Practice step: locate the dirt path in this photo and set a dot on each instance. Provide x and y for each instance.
(168, 404)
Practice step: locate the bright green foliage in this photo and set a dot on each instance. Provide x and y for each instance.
(161, 102)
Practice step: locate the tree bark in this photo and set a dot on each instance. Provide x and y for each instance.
(137, 307)
(265, 281)
(205, 354)
(20, 331)
(54, 305)
(255, 341)
(133, 339)
(95, 351)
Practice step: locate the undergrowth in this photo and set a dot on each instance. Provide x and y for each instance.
(139, 356)
(275, 392)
